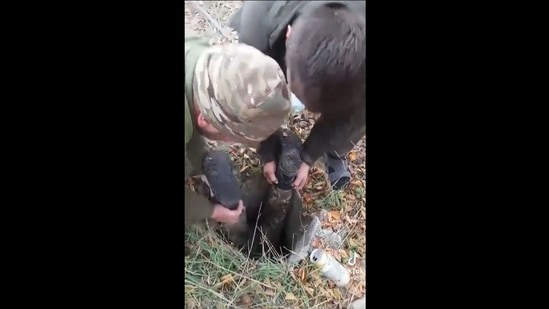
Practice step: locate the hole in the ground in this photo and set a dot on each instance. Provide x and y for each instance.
(273, 225)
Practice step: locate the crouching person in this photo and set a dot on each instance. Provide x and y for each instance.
(233, 93)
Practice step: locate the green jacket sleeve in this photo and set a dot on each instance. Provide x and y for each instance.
(197, 207)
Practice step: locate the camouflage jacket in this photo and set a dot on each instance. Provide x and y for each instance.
(263, 24)
(197, 207)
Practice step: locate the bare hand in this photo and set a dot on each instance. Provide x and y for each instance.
(269, 170)
(224, 215)
(301, 177)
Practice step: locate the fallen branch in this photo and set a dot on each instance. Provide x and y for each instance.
(210, 19)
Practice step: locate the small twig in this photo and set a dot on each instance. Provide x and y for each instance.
(322, 303)
(212, 292)
(240, 275)
(210, 19)
(255, 229)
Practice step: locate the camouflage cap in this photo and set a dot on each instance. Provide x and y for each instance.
(241, 91)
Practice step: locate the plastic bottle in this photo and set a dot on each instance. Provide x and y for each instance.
(330, 267)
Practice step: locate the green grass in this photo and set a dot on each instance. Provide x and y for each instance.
(334, 200)
(265, 282)
(359, 193)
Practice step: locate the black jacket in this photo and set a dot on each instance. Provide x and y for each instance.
(263, 24)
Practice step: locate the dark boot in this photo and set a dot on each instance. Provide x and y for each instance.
(288, 160)
(273, 217)
(278, 200)
(338, 171)
(218, 169)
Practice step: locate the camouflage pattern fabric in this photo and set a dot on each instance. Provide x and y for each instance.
(241, 91)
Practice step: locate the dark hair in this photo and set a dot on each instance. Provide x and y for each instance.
(326, 55)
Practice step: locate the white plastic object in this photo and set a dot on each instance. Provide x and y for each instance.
(330, 267)
(297, 106)
(358, 304)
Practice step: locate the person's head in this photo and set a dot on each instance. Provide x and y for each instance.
(326, 56)
(240, 94)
